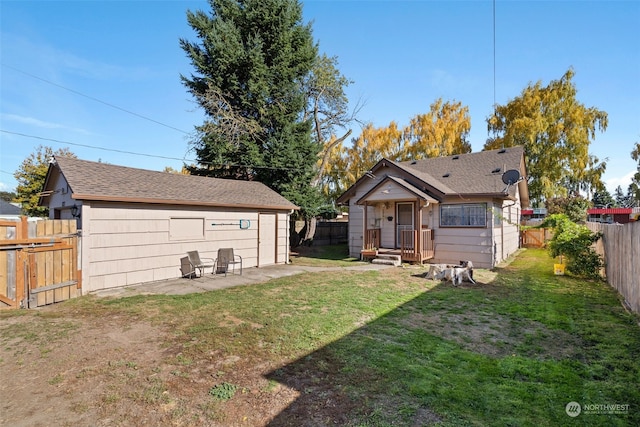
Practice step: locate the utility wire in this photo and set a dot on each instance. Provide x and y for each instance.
(88, 146)
(94, 99)
(494, 56)
(144, 154)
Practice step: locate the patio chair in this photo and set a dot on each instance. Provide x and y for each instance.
(227, 258)
(197, 263)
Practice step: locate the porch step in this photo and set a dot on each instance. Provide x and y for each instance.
(385, 259)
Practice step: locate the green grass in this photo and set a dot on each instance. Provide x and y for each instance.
(391, 348)
(322, 256)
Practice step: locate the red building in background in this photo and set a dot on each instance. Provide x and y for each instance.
(611, 215)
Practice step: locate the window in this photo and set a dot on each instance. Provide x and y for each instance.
(463, 215)
(186, 229)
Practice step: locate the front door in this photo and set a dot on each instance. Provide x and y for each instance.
(404, 222)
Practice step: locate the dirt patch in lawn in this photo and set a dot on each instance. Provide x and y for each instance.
(78, 371)
(496, 335)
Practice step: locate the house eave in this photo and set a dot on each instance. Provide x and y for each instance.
(98, 198)
(467, 196)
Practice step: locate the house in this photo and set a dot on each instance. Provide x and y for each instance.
(533, 215)
(610, 215)
(9, 209)
(137, 224)
(442, 210)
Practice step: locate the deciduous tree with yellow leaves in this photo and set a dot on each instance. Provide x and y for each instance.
(555, 130)
(442, 131)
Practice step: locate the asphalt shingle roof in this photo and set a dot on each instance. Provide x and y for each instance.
(471, 173)
(7, 208)
(102, 181)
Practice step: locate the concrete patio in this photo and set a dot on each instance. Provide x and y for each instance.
(210, 282)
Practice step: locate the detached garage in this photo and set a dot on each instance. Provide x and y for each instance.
(136, 225)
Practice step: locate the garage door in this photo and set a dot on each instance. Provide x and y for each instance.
(267, 242)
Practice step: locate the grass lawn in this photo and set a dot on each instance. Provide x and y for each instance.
(383, 348)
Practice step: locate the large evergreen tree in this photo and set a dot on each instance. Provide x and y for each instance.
(249, 65)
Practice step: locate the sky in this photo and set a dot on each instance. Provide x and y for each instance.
(102, 78)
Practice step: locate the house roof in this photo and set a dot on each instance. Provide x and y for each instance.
(105, 182)
(7, 208)
(471, 174)
(609, 211)
(403, 184)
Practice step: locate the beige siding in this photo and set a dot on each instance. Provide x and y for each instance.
(124, 244)
(283, 239)
(510, 229)
(356, 216)
(485, 247)
(356, 219)
(455, 244)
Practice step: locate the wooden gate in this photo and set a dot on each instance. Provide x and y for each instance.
(38, 262)
(534, 237)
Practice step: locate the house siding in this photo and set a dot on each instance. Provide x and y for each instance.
(125, 244)
(484, 246)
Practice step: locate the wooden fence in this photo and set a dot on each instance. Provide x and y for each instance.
(38, 262)
(534, 237)
(620, 248)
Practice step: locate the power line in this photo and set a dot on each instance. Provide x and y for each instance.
(145, 154)
(94, 99)
(494, 56)
(89, 146)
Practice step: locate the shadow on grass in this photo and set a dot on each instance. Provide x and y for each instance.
(330, 255)
(463, 356)
(328, 252)
(357, 380)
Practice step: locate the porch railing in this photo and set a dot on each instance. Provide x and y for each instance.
(410, 251)
(372, 238)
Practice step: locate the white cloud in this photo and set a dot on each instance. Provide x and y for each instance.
(622, 181)
(32, 121)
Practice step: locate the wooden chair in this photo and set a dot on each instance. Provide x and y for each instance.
(197, 263)
(227, 258)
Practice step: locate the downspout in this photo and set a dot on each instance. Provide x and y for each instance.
(502, 234)
(418, 214)
(493, 243)
(364, 224)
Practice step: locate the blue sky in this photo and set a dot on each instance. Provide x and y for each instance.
(102, 77)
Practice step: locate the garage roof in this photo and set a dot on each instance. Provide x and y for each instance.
(105, 182)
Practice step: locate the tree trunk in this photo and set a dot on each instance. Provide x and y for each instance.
(308, 231)
(294, 237)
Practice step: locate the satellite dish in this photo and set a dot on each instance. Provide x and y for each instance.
(511, 177)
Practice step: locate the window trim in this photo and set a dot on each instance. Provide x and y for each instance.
(481, 205)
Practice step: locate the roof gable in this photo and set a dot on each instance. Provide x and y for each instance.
(394, 188)
(105, 182)
(471, 174)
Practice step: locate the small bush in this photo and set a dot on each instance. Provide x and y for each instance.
(574, 241)
(224, 391)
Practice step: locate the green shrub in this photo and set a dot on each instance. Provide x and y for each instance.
(574, 241)
(224, 391)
